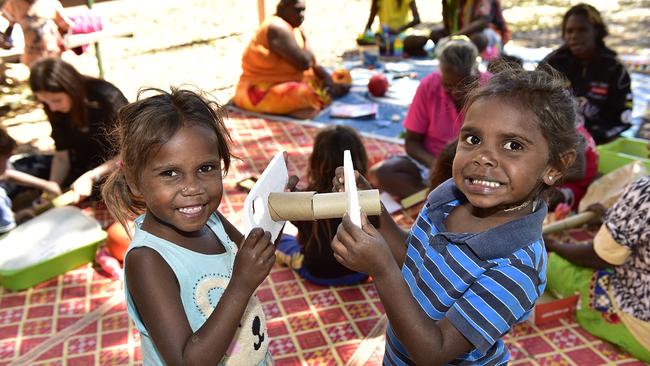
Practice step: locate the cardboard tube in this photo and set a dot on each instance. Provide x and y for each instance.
(334, 205)
(287, 206)
(307, 206)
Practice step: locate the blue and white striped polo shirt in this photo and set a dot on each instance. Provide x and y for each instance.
(484, 283)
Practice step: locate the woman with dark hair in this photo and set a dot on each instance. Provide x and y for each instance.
(598, 79)
(81, 109)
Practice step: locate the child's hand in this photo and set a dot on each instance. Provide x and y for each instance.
(293, 179)
(361, 249)
(291, 184)
(254, 260)
(338, 181)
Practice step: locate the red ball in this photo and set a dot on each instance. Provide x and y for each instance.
(378, 85)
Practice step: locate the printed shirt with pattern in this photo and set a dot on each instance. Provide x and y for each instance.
(629, 224)
(484, 282)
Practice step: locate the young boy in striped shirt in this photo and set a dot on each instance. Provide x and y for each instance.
(474, 262)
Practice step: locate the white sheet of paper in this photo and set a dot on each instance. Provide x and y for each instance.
(354, 210)
(256, 208)
(389, 203)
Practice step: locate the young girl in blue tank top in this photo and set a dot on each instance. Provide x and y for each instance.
(474, 262)
(190, 275)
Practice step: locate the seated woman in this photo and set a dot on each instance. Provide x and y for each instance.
(310, 253)
(280, 74)
(394, 15)
(433, 119)
(597, 78)
(481, 20)
(612, 274)
(81, 109)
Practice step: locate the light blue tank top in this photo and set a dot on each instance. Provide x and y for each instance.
(203, 279)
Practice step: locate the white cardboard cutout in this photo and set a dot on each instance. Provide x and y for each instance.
(354, 210)
(256, 208)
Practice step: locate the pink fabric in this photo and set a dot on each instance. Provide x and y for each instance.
(433, 114)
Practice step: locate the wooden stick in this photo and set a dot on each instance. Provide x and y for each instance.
(569, 222)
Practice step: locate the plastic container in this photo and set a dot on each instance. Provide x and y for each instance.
(621, 151)
(370, 55)
(386, 48)
(398, 46)
(48, 245)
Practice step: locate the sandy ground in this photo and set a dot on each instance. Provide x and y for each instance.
(200, 42)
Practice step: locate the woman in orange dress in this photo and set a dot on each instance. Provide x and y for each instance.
(280, 74)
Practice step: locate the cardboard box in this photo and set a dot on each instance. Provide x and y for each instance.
(548, 308)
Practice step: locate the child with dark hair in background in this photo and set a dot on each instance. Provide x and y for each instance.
(190, 275)
(474, 262)
(310, 253)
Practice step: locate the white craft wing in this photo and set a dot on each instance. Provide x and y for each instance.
(354, 210)
(256, 208)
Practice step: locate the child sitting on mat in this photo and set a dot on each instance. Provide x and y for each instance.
(310, 253)
(474, 262)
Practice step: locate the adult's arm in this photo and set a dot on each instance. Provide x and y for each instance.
(415, 21)
(83, 185)
(282, 42)
(582, 254)
(480, 18)
(414, 146)
(62, 21)
(60, 166)
(28, 180)
(373, 13)
(619, 97)
(474, 26)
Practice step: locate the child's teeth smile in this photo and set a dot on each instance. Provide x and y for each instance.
(190, 210)
(485, 183)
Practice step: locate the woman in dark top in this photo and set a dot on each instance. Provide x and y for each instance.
(598, 79)
(310, 253)
(81, 110)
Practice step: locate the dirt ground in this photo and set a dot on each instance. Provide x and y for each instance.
(200, 42)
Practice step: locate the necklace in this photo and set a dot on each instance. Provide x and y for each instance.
(518, 207)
